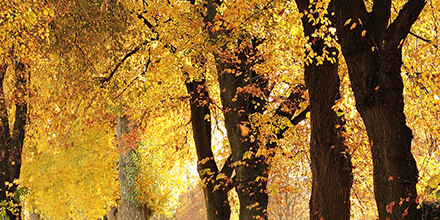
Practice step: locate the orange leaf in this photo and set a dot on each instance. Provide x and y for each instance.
(364, 32)
(353, 26)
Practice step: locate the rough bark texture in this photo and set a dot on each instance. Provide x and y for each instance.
(374, 59)
(127, 208)
(330, 161)
(242, 94)
(11, 144)
(215, 187)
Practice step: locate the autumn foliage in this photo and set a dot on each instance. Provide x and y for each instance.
(239, 109)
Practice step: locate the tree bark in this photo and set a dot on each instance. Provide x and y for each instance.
(112, 214)
(372, 50)
(34, 215)
(243, 94)
(127, 209)
(215, 185)
(330, 160)
(11, 145)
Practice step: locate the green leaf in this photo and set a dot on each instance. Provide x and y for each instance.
(437, 194)
(428, 190)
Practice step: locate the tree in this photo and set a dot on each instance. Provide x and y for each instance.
(11, 144)
(330, 159)
(22, 34)
(242, 92)
(372, 48)
(216, 182)
(89, 74)
(128, 169)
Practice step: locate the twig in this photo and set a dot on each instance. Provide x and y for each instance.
(423, 39)
(137, 77)
(112, 73)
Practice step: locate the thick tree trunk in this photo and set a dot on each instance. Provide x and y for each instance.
(395, 172)
(127, 209)
(242, 94)
(11, 145)
(372, 50)
(330, 160)
(215, 187)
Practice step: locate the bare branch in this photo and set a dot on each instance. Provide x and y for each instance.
(137, 77)
(108, 78)
(423, 39)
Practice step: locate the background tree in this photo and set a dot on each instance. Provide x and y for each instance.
(88, 79)
(12, 143)
(236, 59)
(22, 34)
(128, 168)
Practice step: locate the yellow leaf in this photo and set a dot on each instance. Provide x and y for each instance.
(434, 181)
(363, 33)
(347, 22)
(51, 12)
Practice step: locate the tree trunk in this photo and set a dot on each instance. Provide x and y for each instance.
(34, 215)
(372, 50)
(112, 214)
(127, 209)
(330, 160)
(242, 94)
(11, 145)
(215, 187)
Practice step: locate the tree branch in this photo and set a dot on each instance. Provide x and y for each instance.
(348, 9)
(137, 77)
(146, 22)
(227, 168)
(301, 116)
(302, 5)
(4, 121)
(380, 15)
(423, 39)
(201, 124)
(401, 26)
(211, 11)
(109, 77)
(291, 104)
